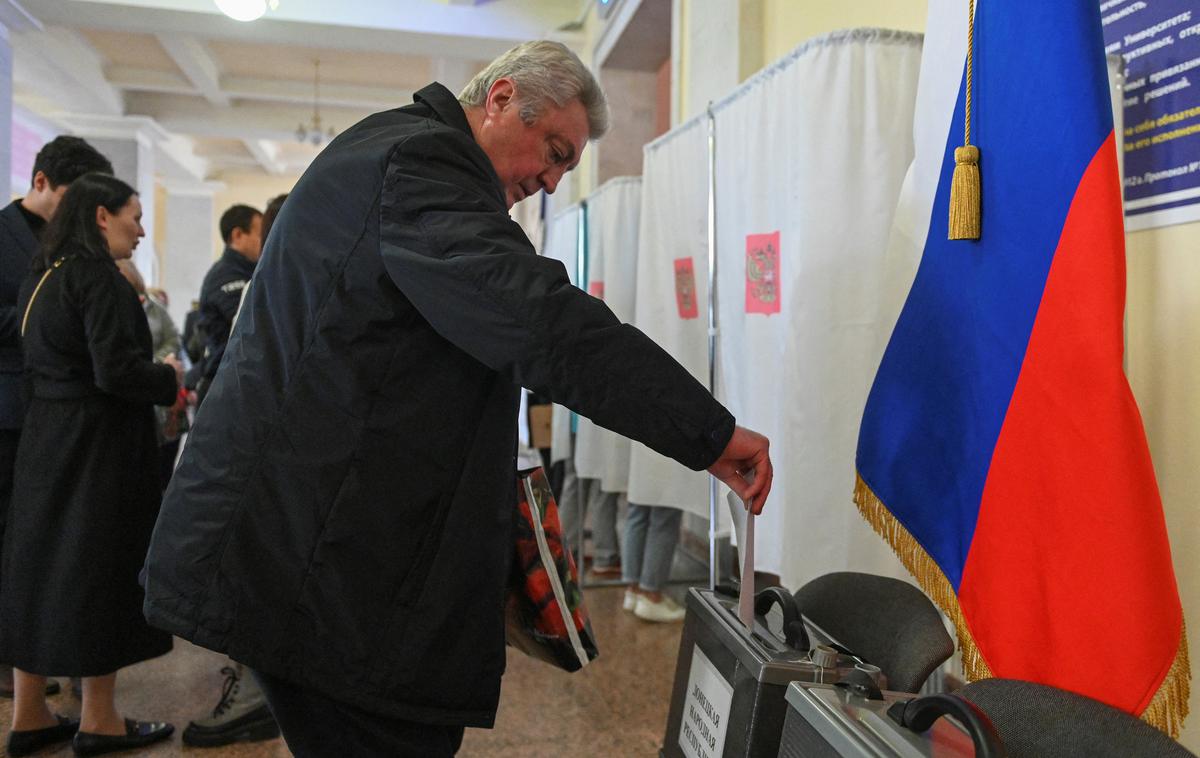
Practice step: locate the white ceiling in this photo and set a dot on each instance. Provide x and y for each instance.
(229, 96)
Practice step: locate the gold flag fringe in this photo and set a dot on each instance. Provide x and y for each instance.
(1167, 709)
(1169, 706)
(927, 573)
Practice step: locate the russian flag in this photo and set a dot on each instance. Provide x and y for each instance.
(1001, 451)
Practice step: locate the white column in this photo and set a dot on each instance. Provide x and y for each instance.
(14, 19)
(129, 142)
(189, 240)
(452, 74)
(709, 36)
(6, 98)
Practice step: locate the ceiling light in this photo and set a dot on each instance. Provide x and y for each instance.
(245, 10)
(312, 132)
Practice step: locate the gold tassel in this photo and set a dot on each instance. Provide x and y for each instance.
(964, 194)
(1166, 710)
(1169, 706)
(966, 208)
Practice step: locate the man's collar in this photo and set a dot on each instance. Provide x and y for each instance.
(445, 105)
(237, 257)
(35, 222)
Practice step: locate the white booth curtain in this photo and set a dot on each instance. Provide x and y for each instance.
(671, 295)
(613, 211)
(810, 157)
(562, 244)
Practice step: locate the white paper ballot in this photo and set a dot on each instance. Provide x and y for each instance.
(743, 525)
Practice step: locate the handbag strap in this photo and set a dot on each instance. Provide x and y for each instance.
(36, 290)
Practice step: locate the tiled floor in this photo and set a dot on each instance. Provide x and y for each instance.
(616, 707)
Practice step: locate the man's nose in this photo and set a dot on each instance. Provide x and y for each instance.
(551, 177)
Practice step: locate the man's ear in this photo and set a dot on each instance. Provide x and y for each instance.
(500, 95)
(41, 182)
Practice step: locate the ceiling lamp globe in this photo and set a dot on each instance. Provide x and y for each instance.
(242, 10)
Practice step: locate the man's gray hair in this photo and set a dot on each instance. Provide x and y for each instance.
(543, 71)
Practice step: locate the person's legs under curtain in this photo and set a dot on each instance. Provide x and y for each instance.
(315, 726)
(661, 539)
(637, 523)
(662, 535)
(571, 509)
(605, 546)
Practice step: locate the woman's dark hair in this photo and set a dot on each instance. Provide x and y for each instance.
(73, 227)
(270, 213)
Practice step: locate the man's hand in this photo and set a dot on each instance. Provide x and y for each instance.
(746, 452)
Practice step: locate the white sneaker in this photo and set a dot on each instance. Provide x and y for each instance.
(631, 599)
(665, 611)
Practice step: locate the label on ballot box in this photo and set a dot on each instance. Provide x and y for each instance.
(706, 709)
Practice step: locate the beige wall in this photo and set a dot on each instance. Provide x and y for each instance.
(633, 101)
(1162, 312)
(1162, 339)
(251, 189)
(787, 23)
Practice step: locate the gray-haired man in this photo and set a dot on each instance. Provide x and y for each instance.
(341, 520)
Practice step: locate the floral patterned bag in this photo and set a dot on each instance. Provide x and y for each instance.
(544, 610)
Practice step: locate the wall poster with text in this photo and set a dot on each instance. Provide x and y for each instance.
(1159, 41)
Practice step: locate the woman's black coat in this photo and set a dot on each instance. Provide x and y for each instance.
(85, 495)
(341, 517)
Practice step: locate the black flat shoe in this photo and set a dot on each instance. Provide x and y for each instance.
(29, 741)
(137, 734)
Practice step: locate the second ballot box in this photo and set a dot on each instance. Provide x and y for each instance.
(730, 681)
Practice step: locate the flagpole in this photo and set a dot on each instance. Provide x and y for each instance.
(713, 558)
(580, 275)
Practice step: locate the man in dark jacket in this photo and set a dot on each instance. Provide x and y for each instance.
(221, 292)
(241, 713)
(59, 162)
(341, 520)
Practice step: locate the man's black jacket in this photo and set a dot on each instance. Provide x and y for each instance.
(220, 295)
(18, 244)
(342, 514)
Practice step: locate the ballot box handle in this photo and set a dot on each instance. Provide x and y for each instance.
(920, 713)
(794, 633)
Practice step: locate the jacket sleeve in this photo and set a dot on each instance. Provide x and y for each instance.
(449, 245)
(118, 364)
(166, 336)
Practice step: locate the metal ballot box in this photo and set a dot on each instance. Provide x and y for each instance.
(728, 697)
(825, 721)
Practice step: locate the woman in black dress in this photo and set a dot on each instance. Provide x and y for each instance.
(86, 494)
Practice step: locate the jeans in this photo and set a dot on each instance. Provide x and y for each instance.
(603, 507)
(315, 726)
(651, 534)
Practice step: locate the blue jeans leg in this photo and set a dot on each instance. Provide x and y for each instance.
(637, 523)
(651, 534)
(603, 507)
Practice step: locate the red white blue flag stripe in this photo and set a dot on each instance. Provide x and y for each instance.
(1001, 449)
